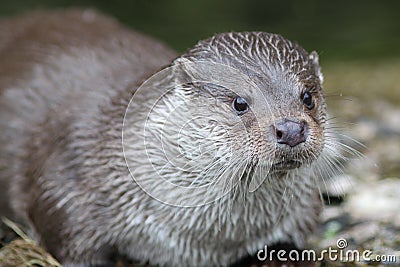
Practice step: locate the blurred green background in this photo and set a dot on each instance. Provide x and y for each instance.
(338, 30)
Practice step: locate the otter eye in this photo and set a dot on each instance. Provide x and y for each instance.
(240, 105)
(307, 100)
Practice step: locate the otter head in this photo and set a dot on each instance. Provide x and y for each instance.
(242, 106)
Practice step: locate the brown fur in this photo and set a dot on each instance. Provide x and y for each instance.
(66, 79)
(34, 138)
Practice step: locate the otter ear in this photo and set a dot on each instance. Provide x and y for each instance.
(180, 70)
(314, 59)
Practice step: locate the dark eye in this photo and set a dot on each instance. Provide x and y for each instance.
(240, 105)
(307, 100)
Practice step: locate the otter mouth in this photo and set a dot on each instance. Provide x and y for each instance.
(286, 165)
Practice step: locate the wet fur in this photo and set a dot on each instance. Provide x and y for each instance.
(66, 79)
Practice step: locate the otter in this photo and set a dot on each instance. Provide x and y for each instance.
(112, 143)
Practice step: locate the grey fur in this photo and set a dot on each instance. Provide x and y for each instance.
(66, 79)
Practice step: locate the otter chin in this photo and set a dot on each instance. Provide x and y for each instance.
(286, 165)
(114, 144)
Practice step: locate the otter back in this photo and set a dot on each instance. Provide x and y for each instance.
(58, 70)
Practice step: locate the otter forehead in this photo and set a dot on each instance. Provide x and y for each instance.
(260, 51)
(272, 62)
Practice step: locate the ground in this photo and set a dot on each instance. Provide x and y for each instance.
(365, 99)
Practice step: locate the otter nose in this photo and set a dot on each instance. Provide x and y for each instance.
(290, 132)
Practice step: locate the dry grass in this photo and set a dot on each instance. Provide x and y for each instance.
(23, 251)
